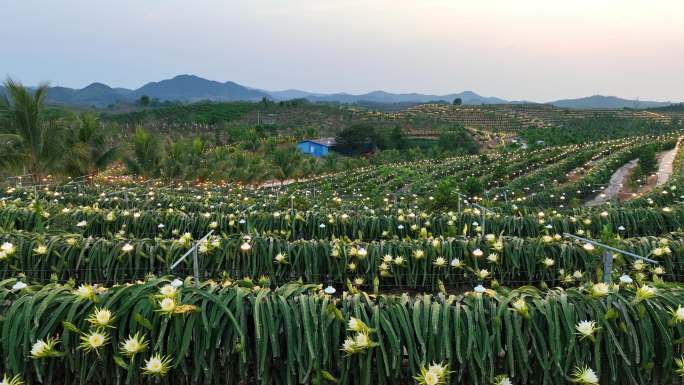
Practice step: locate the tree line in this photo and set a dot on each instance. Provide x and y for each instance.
(36, 141)
(592, 128)
(37, 144)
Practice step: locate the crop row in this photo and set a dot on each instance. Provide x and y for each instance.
(535, 177)
(419, 263)
(296, 334)
(367, 225)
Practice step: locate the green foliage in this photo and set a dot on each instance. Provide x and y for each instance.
(647, 164)
(357, 139)
(184, 160)
(146, 154)
(398, 139)
(677, 107)
(203, 113)
(388, 156)
(472, 186)
(248, 137)
(382, 228)
(457, 140)
(331, 161)
(286, 162)
(592, 128)
(144, 101)
(293, 333)
(26, 139)
(237, 165)
(445, 197)
(647, 159)
(90, 149)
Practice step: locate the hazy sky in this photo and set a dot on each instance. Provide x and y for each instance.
(525, 49)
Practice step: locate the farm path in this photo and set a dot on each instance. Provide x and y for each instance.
(665, 164)
(618, 180)
(276, 183)
(614, 186)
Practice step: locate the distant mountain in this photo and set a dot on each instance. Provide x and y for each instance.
(186, 88)
(191, 88)
(600, 101)
(467, 97)
(291, 94)
(95, 94)
(679, 107)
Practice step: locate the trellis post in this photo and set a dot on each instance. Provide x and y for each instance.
(608, 256)
(607, 267)
(195, 258)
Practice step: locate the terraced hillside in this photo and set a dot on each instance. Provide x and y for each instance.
(507, 117)
(297, 116)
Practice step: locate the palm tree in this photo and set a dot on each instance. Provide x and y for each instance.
(311, 167)
(195, 159)
(175, 165)
(286, 162)
(185, 160)
(88, 149)
(331, 161)
(220, 160)
(246, 167)
(146, 157)
(26, 139)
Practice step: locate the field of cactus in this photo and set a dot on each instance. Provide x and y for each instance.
(464, 270)
(222, 332)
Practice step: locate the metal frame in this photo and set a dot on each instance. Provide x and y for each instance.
(195, 259)
(608, 257)
(483, 210)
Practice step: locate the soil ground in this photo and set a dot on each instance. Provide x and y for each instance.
(619, 188)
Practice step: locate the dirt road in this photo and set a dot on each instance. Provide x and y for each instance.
(665, 164)
(614, 186)
(619, 178)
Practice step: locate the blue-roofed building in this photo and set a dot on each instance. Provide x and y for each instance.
(316, 147)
